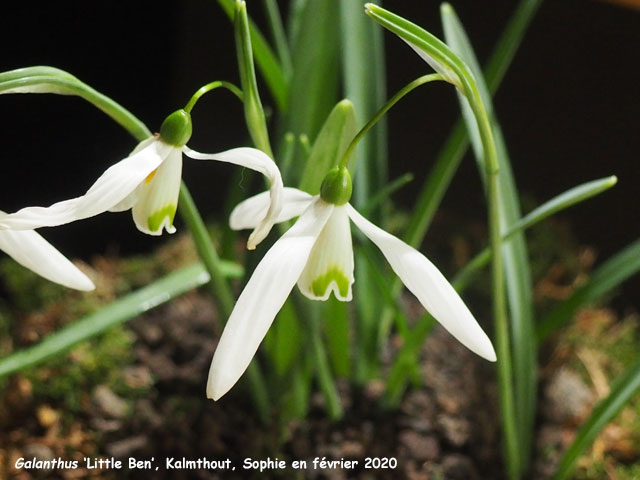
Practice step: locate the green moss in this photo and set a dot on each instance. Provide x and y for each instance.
(334, 274)
(67, 380)
(603, 469)
(27, 290)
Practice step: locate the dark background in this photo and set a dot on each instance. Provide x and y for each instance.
(568, 106)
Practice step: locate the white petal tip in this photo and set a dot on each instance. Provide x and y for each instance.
(257, 236)
(87, 286)
(212, 396)
(491, 357)
(217, 387)
(484, 349)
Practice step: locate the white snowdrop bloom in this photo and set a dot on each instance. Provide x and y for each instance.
(32, 251)
(148, 183)
(317, 254)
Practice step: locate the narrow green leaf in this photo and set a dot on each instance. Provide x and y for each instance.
(516, 263)
(509, 42)
(218, 287)
(397, 380)
(385, 192)
(314, 83)
(253, 111)
(117, 312)
(267, 62)
(336, 326)
(363, 74)
(297, 391)
(332, 141)
(279, 36)
(322, 367)
(284, 339)
(571, 197)
(565, 200)
(605, 278)
(624, 388)
(367, 351)
(448, 159)
(406, 359)
(362, 55)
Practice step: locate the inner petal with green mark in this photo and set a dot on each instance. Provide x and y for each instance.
(157, 218)
(157, 198)
(321, 284)
(330, 264)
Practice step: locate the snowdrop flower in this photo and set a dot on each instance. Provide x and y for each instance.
(32, 251)
(317, 254)
(148, 183)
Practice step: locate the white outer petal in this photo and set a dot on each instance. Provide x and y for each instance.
(333, 251)
(262, 298)
(111, 188)
(30, 250)
(260, 162)
(248, 213)
(130, 200)
(158, 193)
(426, 282)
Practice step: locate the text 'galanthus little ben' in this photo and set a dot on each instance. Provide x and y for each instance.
(317, 254)
(148, 182)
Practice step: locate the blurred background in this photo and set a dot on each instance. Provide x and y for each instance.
(568, 107)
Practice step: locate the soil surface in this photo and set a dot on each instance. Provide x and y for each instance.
(445, 429)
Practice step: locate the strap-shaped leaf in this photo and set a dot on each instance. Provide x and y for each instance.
(516, 264)
(265, 58)
(625, 387)
(117, 312)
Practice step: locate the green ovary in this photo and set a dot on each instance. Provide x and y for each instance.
(334, 274)
(155, 219)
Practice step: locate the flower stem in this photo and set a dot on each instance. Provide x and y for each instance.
(212, 86)
(384, 109)
(503, 347)
(219, 288)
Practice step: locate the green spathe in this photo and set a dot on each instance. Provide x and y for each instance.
(334, 274)
(155, 219)
(338, 131)
(176, 128)
(336, 187)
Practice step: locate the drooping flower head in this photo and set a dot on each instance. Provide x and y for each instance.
(317, 254)
(148, 182)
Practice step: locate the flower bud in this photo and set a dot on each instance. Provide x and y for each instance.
(176, 128)
(336, 187)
